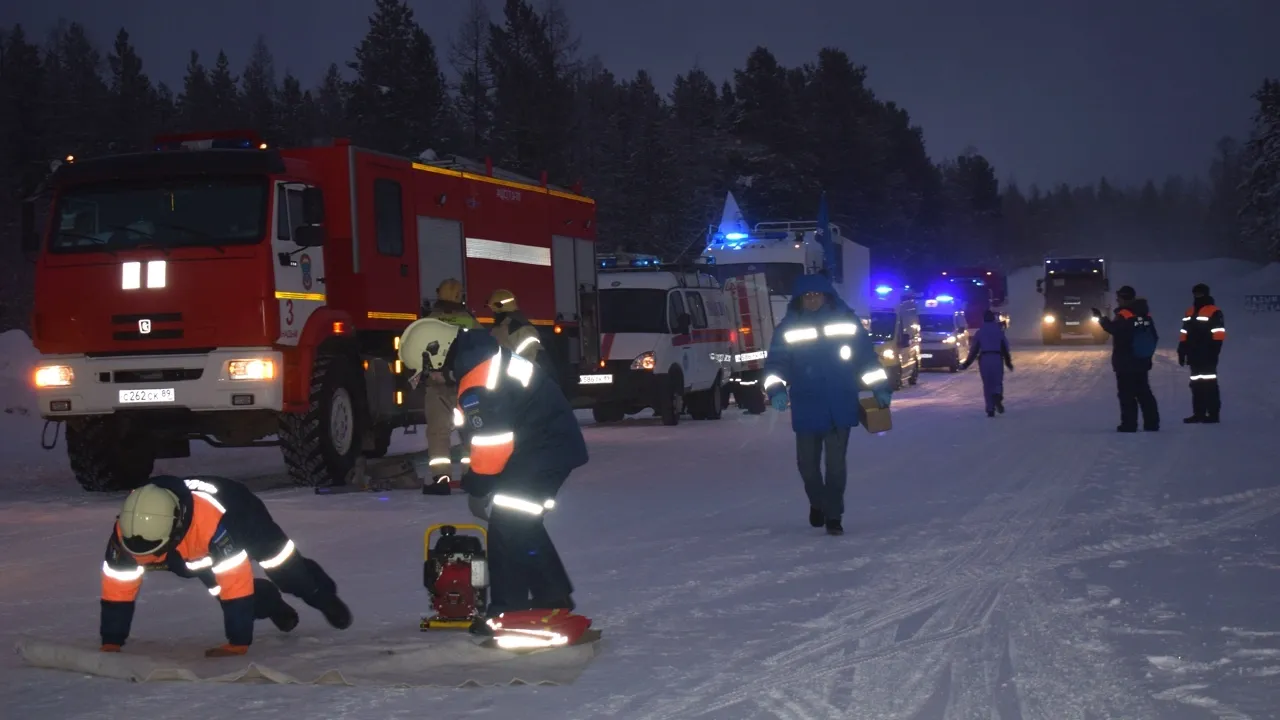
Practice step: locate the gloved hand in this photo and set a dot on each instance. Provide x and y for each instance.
(109, 647)
(1182, 357)
(778, 400)
(1010, 366)
(883, 396)
(226, 651)
(476, 485)
(479, 506)
(1096, 312)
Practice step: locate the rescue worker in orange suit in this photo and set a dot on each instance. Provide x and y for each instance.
(210, 528)
(1204, 329)
(525, 441)
(439, 396)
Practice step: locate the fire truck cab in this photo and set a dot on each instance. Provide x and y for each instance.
(664, 339)
(220, 290)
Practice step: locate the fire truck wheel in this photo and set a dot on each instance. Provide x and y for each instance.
(381, 441)
(321, 446)
(671, 402)
(607, 413)
(96, 447)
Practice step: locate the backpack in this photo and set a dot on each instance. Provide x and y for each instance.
(1144, 338)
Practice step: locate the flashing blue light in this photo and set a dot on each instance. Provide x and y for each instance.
(883, 290)
(735, 236)
(945, 298)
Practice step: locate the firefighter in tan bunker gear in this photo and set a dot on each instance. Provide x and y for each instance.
(511, 328)
(441, 396)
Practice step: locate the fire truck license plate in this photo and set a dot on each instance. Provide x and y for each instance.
(158, 395)
(595, 379)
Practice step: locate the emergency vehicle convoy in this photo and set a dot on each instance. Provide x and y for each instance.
(665, 333)
(975, 290)
(221, 290)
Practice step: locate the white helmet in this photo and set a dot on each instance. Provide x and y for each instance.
(148, 519)
(432, 336)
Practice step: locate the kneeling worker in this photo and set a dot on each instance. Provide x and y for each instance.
(525, 442)
(210, 528)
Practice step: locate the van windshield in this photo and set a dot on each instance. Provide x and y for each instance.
(882, 324)
(168, 213)
(937, 323)
(633, 310)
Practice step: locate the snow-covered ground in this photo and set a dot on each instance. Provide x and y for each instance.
(1035, 565)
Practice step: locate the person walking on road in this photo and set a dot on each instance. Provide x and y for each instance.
(990, 348)
(821, 355)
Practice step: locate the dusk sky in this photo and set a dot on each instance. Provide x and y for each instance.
(1049, 91)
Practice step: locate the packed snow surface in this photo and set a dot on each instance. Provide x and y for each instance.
(1034, 565)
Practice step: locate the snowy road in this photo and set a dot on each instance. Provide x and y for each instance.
(1035, 565)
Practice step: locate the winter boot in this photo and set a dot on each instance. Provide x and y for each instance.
(286, 619)
(1126, 429)
(439, 485)
(334, 610)
(834, 527)
(1194, 419)
(1211, 420)
(999, 403)
(816, 518)
(991, 413)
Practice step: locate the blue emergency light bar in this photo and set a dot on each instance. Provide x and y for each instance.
(629, 260)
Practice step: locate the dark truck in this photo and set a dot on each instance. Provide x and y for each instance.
(1072, 287)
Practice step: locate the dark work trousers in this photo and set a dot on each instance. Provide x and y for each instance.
(525, 571)
(1206, 399)
(991, 368)
(1134, 391)
(264, 540)
(825, 490)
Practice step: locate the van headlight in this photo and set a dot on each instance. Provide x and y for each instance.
(949, 340)
(252, 369)
(887, 354)
(1049, 319)
(644, 361)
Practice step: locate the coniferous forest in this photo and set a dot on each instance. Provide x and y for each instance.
(517, 89)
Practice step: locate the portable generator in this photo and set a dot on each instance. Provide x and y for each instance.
(455, 573)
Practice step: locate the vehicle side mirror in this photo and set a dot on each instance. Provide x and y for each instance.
(683, 324)
(312, 206)
(309, 235)
(30, 235)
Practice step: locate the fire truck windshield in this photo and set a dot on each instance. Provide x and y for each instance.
(120, 215)
(779, 275)
(633, 310)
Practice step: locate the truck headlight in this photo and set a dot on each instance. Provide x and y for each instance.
(887, 354)
(1049, 319)
(644, 361)
(251, 369)
(1096, 319)
(949, 340)
(54, 376)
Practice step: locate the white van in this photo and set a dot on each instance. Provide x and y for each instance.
(664, 335)
(944, 335)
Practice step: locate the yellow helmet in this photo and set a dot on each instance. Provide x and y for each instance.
(502, 301)
(147, 519)
(450, 291)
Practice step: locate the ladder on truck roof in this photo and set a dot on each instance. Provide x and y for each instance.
(637, 263)
(795, 226)
(475, 167)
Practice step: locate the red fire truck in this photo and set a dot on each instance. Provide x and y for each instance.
(220, 290)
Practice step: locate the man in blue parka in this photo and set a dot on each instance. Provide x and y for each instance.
(822, 356)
